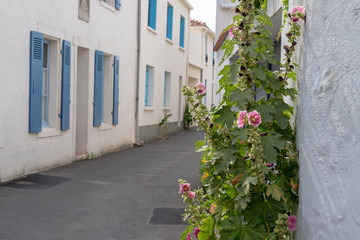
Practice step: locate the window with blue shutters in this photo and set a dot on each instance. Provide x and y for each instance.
(182, 31)
(152, 14)
(114, 3)
(169, 23)
(98, 87)
(149, 86)
(65, 86)
(44, 83)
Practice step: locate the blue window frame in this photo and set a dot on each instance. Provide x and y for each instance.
(152, 14)
(182, 31)
(45, 84)
(169, 24)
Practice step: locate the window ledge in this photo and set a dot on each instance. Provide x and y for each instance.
(149, 109)
(169, 41)
(152, 30)
(107, 6)
(49, 132)
(181, 48)
(105, 126)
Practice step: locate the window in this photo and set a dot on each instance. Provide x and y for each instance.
(169, 24)
(114, 3)
(182, 31)
(167, 89)
(213, 57)
(44, 106)
(152, 14)
(45, 84)
(106, 89)
(149, 86)
(206, 49)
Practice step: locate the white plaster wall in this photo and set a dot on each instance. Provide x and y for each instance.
(22, 153)
(163, 55)
(224, 16)
(196, 47)
(327, 121)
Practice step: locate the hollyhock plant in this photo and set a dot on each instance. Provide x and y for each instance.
(231, 31)
(291, 223)
(188, 237)
(242, 118)
(196, 232)
(200, 88)
(297, 13)
(254, 118)
(191, 195)
(184, 188)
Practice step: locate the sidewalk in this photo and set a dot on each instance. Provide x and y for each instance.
(112, 197)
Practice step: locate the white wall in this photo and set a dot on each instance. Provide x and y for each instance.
(22, 153)
(327, 121)
(163, 55)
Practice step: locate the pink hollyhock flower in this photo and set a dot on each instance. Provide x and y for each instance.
(291, 223)
(297, 13)
(231, 31)
(242, 118)
(188, 237)
(184, 188)
(196, 232)
(254, 118)
(200, 88)
(191, 195)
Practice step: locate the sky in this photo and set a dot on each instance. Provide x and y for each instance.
(205, 11)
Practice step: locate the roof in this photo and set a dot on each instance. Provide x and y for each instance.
(221, 40)
(197, 23)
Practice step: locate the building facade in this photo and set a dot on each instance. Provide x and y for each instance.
(202, 59)
(69, 72)
(163, 65)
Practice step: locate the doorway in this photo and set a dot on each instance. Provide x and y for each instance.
(82, 102)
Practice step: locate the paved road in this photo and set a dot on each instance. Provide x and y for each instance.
(107, 198)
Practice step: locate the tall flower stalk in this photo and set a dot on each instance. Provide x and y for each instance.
(249, 162)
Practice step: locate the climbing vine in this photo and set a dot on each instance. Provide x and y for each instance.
(249, 162)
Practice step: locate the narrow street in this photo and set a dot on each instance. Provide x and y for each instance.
(128, 195)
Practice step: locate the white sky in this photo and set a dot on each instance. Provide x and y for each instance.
(205, 11)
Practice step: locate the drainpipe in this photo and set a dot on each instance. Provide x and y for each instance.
(137, 137)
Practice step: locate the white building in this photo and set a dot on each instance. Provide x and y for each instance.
(68, 81)
(202, 59)
(327, 115)
(164, 52)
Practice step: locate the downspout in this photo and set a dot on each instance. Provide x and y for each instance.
(137, 137)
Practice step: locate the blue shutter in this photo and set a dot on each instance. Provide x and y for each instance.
(98, 87)
(118, 4)
(152, 14)
(169, 25)
(116, 91)
(146, 86)
(65, 85)
(36, 64)
(182, 31)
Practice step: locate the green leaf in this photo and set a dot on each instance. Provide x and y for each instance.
(225, 116)
(275, 191)
(264, 18)
(199, 144)
(184, 234)
(233, 228)
(260, 72)
(206, 230)
(269, 143)
(238, 134)
(242, 201)
(247, 182)
(241, 97)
